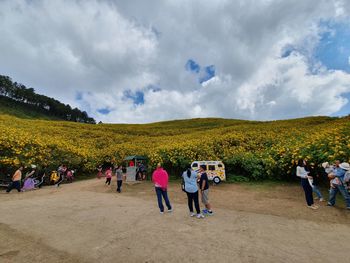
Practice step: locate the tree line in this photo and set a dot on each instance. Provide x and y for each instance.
(19, 93)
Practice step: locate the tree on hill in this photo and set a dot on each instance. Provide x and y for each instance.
(19, 93)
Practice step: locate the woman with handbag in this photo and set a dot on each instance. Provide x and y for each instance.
(191, 188)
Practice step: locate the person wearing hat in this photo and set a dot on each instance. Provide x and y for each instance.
(339, 185)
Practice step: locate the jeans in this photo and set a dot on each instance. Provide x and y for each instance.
(162, 192)
(333, 194)
(108, 181)
(308, 191)
(119, 185)
(193, 197)
(317, 192)
(14, 185)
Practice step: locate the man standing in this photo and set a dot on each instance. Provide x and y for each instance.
(204, 186)
(338, 184)
(16, 180)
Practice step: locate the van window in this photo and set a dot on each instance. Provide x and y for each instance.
(211, 167)
(220, 165)
(195, 165)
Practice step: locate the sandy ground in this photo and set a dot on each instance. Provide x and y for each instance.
(89, 222)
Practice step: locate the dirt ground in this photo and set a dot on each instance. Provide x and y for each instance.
(89, 222)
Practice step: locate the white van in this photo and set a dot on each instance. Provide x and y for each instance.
(215, 170)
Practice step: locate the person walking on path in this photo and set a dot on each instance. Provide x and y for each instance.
(305, 177)
(160, 179)
(16, 180)
(119, 175)
(204, 186)
(191, 188)
(108, 174)
(339, 185)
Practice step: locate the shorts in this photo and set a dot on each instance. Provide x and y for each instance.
(205, 197)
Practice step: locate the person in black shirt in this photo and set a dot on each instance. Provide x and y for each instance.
(204, 187)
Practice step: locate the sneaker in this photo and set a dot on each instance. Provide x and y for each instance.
(192, 214)
(322, 200)
(329, 204)
(199, 216)
(210, 212)
(205, 211)
(170, 210)
(161, 212)
(348, 208)
(312, 207)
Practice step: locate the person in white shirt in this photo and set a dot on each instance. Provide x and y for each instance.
(304, 176)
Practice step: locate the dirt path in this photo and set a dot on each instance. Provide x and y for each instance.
(89, 222)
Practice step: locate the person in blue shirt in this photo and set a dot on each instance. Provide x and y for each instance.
(191, 188)
(339, 184)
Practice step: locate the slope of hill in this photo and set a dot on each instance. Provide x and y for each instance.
(17, 109)
(257, 150)
(21, 101)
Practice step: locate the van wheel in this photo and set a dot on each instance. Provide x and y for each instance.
(216, 180)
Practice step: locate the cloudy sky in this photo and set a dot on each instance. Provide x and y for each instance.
(142, 61)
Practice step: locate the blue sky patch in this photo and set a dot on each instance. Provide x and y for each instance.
(204, 73)
(192, 66)
(137, 97)
(333, 50)
(104, 111)
(207, 73)
(345, 110)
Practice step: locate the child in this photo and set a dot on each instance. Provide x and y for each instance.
(108, 174)
(330, 172)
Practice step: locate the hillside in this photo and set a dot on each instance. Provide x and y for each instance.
(257, 150)
(18, 100)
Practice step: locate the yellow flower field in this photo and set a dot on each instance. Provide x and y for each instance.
(257, 149)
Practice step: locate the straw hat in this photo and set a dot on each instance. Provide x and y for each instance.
(325, 165)
(345, 166)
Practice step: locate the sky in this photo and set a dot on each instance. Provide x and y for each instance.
(142, 61)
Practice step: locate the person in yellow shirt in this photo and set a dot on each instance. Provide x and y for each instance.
(16, 180)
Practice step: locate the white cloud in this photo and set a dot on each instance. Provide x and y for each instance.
(102, 48)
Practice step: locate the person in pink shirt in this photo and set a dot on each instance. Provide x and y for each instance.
(160, 179)
(108, 174)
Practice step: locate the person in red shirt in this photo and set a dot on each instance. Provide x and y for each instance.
(160, 179)
(108, 174)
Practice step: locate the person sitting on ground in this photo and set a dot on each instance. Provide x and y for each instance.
(29, 183)
(339, 185)
(191, 188)
(99, 172)
(204, 186)
(16, 180)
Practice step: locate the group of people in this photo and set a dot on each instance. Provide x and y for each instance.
(35, 179)
(119, 172)
(339, 180)
(192, 183)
